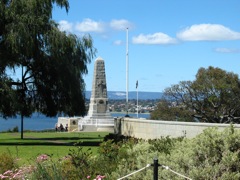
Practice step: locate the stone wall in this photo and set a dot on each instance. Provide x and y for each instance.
(71, 122)
(76, 124)
(152, 129)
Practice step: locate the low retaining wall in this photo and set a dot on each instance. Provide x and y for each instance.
(92, 125)
(153, 129)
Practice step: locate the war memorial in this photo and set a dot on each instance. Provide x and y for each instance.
(100, 119)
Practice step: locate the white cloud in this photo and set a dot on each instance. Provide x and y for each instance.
(208, 32)
(88, 25)
(121, 24)
(118, 42)
(227, 50)
(157, 38)
(65, 26)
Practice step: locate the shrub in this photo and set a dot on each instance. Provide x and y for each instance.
(15, 129)
(46, 169)
(211, 155)
(82, 161)
(135, 157)
(107, 159)
(77, 165)
(7, 162)
(164, 144)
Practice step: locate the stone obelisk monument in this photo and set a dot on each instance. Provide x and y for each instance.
(98, 108)
(98, 118)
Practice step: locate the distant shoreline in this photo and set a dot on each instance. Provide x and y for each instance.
(113, 112)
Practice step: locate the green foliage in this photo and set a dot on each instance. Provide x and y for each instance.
(46, 169)
(109, 150)
(15, 129)
(109, 153)
(212, 97)
(211, 155)
(115, 137)
(7, 97)
(164, 144)
(79, 164)
(136, 156)
(81, 160)
(168, 111)
(53, 62)
(214, 154)
(7, 162)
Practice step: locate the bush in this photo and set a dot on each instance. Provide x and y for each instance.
(7, 162)
(15, 129)
(164, 144)
(211, 155)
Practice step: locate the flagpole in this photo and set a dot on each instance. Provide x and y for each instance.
(127, 73)
(137, 98)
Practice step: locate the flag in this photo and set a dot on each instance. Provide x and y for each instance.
(136, 84)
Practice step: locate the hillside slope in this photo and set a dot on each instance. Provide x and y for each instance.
(131, 95)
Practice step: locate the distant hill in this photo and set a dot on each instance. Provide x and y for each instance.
(131, 95)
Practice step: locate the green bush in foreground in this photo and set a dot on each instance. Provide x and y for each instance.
(7, 162)
(211, 155)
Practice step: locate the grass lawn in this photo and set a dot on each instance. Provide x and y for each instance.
(56, 144)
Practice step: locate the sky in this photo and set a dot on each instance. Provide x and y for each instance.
(168, 40)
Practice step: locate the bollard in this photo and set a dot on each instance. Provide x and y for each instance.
(155, 168)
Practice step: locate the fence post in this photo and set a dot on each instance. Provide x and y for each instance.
(155, 168)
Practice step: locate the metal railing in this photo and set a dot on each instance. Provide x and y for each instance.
(155, 170)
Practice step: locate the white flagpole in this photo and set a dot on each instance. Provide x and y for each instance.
(127, 72)
(137, 98)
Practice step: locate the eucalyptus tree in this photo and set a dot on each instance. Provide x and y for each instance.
(52, 62)
(214, 96)
(170, 111)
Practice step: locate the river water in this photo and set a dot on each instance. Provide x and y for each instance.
(39, 122)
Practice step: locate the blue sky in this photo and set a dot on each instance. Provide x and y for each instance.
(169, 40)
